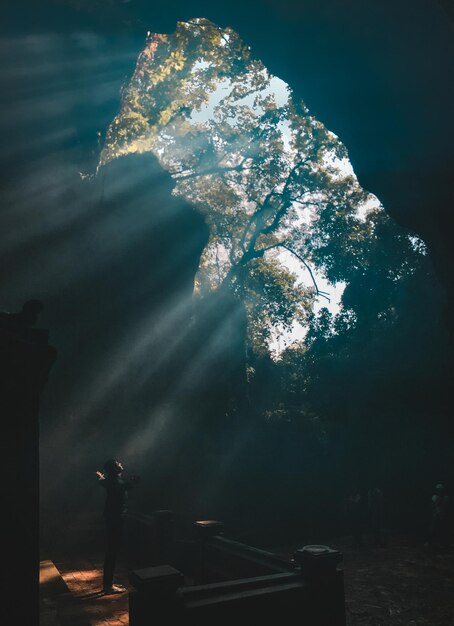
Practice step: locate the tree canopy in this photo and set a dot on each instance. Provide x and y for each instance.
(271, 181)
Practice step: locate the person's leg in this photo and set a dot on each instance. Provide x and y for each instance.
(109, 559)
(114, 533)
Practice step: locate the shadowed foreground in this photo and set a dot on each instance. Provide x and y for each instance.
(401, 584)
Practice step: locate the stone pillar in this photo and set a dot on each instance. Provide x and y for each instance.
(204, 530)
(25, 361)
(324, 583)
(153, 600)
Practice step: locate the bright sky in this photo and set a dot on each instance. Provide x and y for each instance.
(281, 92)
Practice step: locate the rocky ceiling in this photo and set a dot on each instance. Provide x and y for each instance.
(378, 73)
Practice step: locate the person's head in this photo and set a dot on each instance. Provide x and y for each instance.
(30, 311)
(112, 467)
(439, 488)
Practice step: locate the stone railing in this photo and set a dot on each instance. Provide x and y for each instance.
(233, 583)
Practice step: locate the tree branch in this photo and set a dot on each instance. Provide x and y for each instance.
(213, 170)
(303, 261)
(287, 200)
(254, 217)
(277, 218)
(266, 230)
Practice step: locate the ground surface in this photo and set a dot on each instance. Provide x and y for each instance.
(84, 604)
(403, 583)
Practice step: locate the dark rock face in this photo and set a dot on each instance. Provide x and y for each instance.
(377, 75)
(123, 324)
(113, 257)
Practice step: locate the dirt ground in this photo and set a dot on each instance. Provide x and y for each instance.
(403, 583)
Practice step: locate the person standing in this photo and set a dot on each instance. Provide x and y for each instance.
(354, 515)
(375, 506)
(117, 490)
(439, 524)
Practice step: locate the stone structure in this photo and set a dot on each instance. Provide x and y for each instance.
(235, 581)
(25, 361)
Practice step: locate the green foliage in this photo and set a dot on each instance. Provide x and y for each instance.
(367, 359)
(271, 298)
(270, 180)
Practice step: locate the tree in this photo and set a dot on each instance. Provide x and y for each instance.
(271, 181)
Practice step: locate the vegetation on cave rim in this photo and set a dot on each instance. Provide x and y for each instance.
(271, 181)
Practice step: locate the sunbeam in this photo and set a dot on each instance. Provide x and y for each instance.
(167, 418)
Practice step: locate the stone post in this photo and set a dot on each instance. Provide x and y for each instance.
(204, 530)
(153, 599)
(324, 583)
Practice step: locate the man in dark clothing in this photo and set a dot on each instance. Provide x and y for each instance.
(439, 523)
(114, 511)
(375, 507)
(354, 516)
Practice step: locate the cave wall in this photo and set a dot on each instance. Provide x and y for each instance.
(378, 74)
